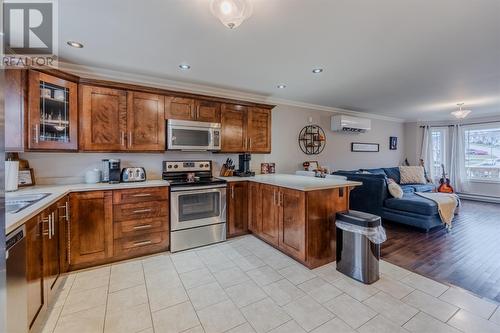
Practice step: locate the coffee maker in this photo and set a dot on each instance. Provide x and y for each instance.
(114, 171)
(244, 166)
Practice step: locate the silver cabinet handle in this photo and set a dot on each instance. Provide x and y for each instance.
(136, 244)
(144, 226)
(142, 210)
(130, 139)
(274, 197)
(53, 223)
(249, 143)
(232, 192)
(122, 138)
(50, 226)
(142, 195)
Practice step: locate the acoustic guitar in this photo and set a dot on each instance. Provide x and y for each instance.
(444, 183)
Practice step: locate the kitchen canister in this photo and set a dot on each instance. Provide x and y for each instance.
(11, 175)
(93, 176)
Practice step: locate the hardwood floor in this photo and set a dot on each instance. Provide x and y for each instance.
(468, 256)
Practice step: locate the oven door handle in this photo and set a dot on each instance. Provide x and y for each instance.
(197, 189)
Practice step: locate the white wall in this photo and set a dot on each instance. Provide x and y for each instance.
(286, 124)
(288, 121)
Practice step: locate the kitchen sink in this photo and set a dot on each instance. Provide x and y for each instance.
(16, 203)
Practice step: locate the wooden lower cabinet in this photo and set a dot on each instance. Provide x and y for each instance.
(269, 230)
(140, 222)
(37, 301)
(254, 208)
(292, 223)
(63, 220)
(107, 226)
(299, 223)
(237, 208)
(91, 228)
(51, 252)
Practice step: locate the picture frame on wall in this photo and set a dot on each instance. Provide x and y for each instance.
(360, 147)
(393, 143)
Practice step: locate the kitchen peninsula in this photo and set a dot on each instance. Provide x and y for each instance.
(295, 214)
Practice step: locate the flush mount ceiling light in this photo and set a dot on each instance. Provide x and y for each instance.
(281, 86)
(460, 114)
(317, 70)
(74, 44)
(231, 13)
(184, 66)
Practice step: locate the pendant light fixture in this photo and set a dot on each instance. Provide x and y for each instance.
(460, 114)
(231, 13)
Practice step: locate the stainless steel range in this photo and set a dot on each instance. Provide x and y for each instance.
(197, 204)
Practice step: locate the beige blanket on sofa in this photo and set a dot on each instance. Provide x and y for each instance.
(447, 204)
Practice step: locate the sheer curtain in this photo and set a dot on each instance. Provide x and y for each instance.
(426, 152)
(457, 157)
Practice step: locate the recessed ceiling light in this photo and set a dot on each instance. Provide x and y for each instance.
(281, 86)
(75, 44)
(184, 66)
(317, 70)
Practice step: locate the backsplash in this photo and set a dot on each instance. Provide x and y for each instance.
(70, 168)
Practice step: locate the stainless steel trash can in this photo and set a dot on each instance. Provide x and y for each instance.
(357, 256)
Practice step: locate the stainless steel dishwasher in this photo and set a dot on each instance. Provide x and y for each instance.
(17, 285)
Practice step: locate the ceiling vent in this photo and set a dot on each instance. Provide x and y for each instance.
(349, 124)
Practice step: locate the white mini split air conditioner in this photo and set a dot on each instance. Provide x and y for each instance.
(342, 123)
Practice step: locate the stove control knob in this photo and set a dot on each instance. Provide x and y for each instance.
(176, 166)
(201, 165)
(170, 166)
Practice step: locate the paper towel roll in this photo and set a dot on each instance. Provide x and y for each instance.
(11, 175)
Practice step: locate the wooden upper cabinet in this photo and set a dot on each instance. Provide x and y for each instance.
(103, 119)
(233, 122)
(15, 95)
(292, 224)
(179, 108)
(145, 122)
(91, 228)
(259, 130)
(237, 208)
(52, 113)
(207, 111)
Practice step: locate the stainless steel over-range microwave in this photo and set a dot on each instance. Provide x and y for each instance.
(193, 135)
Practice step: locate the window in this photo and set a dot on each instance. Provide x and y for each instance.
(438, 151)
(482, 152)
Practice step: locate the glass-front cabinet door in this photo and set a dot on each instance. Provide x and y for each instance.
(52, 118)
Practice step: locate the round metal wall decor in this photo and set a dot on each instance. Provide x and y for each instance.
(312, 140)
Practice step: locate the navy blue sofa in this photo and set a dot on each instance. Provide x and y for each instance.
(373, 197)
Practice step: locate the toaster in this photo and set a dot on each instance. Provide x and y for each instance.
(133, 175)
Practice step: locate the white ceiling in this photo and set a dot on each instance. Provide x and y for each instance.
(411, 59)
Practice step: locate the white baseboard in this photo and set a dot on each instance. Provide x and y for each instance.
(476, 197)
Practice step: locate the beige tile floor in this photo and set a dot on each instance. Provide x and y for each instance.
(244, 285)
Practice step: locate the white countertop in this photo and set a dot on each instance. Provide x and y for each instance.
(301, 183)
(13, 221)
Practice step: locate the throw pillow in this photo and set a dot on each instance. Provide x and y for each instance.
(394, 189)
(412, 175)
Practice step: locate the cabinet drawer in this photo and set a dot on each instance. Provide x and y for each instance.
(140, 210)
(140, 227)
(141, 244)
(140, 195)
